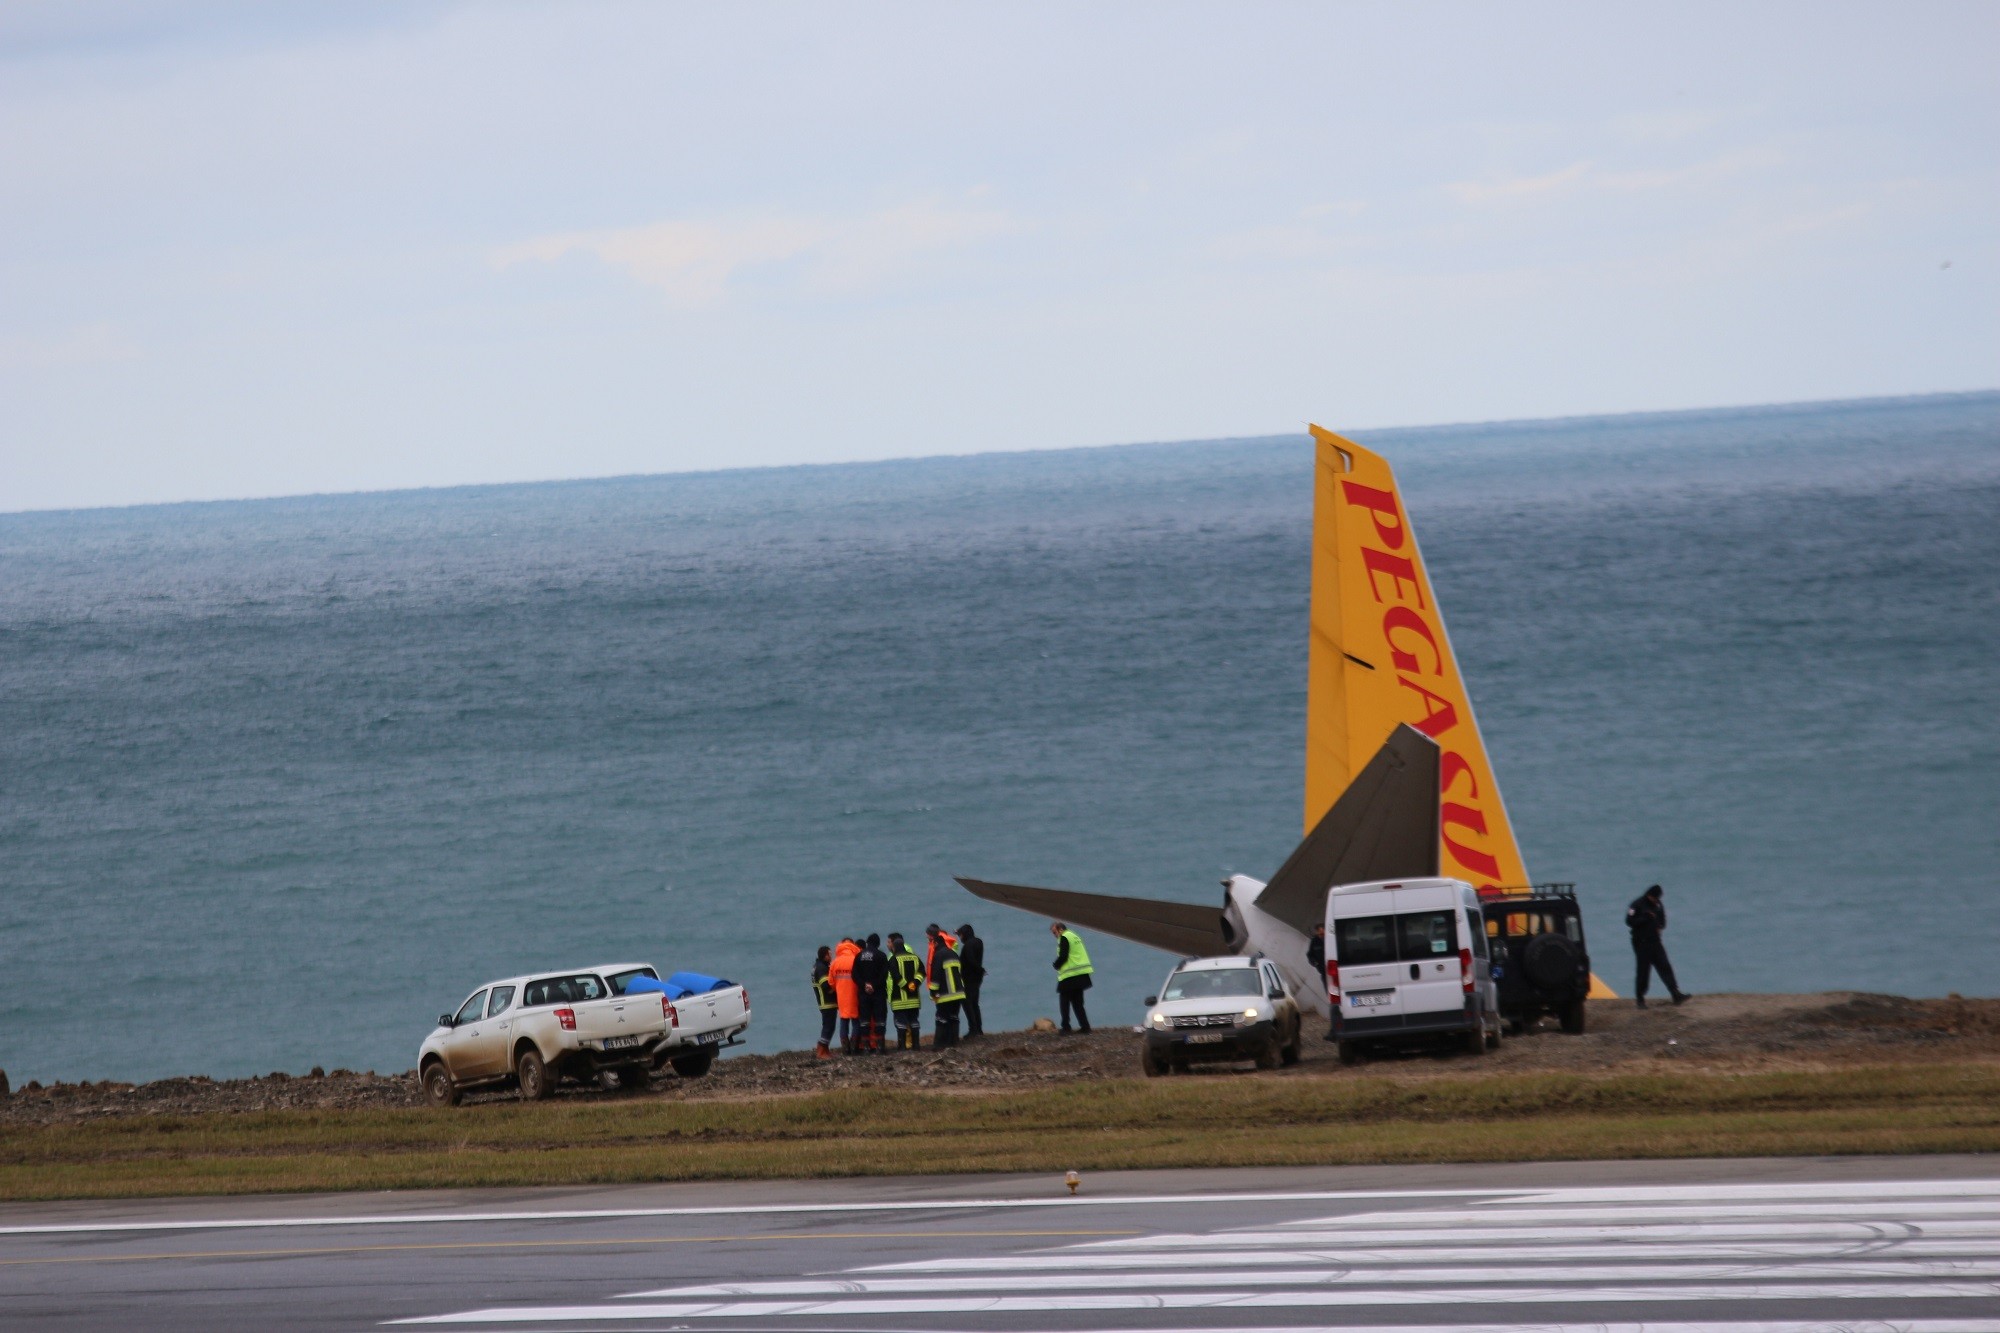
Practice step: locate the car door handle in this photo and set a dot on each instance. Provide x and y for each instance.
(1416, 970)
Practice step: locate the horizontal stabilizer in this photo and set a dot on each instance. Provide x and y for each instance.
(1384, 826)
(1182, 928)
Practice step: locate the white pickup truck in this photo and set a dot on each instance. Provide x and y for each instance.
(534, 1031)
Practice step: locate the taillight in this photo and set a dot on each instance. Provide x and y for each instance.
(1333, 980)
(1465, 970)
(744, 991)
(668, 1012)
(566, 1017)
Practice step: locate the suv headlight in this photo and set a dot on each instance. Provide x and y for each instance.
(1156, 1019)
(1248, 1016)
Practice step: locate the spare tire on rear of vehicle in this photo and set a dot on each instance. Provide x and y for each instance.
(1550, 960)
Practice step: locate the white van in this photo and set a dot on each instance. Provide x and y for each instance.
(1407, 958)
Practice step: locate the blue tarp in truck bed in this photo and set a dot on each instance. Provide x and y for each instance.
(677, 985)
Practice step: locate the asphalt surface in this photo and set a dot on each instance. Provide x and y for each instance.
(1764, 1246)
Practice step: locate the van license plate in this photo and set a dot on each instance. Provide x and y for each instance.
(1370, 998)
(617, 1043)
(1205, 1037)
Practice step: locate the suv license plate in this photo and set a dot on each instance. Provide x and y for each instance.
(1370, 999)
(618, 1043)
(1206, 1037)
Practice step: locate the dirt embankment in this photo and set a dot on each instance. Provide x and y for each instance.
(1722, 1033)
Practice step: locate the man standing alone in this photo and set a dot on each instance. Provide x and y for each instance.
(1072, 975)
(1647, 917)
(972, 955)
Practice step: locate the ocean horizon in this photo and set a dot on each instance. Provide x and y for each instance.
(288, 777)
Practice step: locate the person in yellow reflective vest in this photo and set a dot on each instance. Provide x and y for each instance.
(947, 983)
(829, 1006)
(1072, 975)
(906, 992)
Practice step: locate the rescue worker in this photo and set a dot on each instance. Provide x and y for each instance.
(829, 1007)
(972, 953)
(1647, 918)
(1073, 971)
(844, 992)
(932, 934)
(871, 978)
(906, 992)
(946, 976)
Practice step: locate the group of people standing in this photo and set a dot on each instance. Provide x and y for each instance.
(862, 986)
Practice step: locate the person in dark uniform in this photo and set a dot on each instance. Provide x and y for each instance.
(1316, 950)
(972, 956)
(829, 1006)
(947, 986)
(871, 978)
(1647, 919)
(906, 992)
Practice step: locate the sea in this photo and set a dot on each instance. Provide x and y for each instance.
(282, 780)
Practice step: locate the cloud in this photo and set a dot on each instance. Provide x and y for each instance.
(695, 262)
(1580, 176)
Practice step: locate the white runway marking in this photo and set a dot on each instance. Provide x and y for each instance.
(755, 1209)
(1343, 1298)
(1893, 1244)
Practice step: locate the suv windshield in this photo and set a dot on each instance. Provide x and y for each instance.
(1215, 982)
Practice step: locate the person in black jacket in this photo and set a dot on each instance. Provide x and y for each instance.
(1647, 919)
(972, 957)
(1316, 950)
(871, 978)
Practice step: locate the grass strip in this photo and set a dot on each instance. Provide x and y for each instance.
(1098, 1125)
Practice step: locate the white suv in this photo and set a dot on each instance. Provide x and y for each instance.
(1231, 1008)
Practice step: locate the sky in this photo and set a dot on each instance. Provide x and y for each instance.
(254, 249)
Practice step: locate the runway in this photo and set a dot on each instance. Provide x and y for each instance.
(1754, 1247)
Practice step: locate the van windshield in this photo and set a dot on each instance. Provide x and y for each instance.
(1212, 983)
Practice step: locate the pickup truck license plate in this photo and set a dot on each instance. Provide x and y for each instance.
(1205, 1037)
(616, 1043)
(709, 1039)
(1370, 998)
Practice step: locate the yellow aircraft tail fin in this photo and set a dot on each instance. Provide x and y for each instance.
(1380, 657)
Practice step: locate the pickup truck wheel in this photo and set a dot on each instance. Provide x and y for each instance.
(1572, 1017)
(531, 1072)
(439, 1089)
(693, 1066)
(633, 1077)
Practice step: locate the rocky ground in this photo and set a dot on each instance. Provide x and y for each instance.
(1731, 1033)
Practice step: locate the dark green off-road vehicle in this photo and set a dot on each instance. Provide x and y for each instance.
(1540, 963)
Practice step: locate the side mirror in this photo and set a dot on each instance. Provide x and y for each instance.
(1152, 999)
(1275, 995)
(447, 1020)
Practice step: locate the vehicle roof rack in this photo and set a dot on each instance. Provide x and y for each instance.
(1548, 889)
